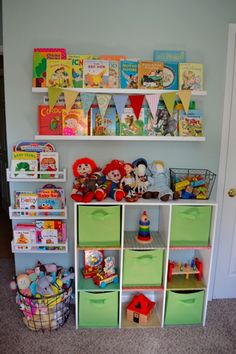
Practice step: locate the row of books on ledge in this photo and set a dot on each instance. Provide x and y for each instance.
(74, 123)
(40, 235)
(53, 67)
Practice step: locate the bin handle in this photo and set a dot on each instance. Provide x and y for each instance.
(100, 214)
(145, 259)
(188, 301)
(98, 302)
(191, 213)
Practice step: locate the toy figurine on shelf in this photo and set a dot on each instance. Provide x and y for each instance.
(140, 170)
(86, 175)
(144, 235)
(128, 183)
(108, 275)
(109, 184)
(93, 263)
(195, 267)
(139, 310)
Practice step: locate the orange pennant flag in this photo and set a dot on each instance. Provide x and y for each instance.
(53, 95)
(185, 97)
(169, 99)
(70, 97)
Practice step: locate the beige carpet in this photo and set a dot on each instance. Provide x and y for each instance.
(218, 337)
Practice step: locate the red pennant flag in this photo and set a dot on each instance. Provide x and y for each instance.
(136, 102)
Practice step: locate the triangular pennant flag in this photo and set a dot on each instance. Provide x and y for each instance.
(103, 102)
(185, 97)
(87, 100)
(53, 95)
(152, 101)
(136, 103)
(169, 99)
(120, 102)
(70, 97)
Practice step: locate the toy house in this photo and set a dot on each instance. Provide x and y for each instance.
(140, 309)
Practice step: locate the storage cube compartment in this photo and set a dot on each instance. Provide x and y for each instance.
(99, 226)
(98, 309)
(184, 307)
(190, 225)
(142, 268)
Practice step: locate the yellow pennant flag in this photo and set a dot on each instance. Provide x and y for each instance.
(53, 95)
(185, 97)
(70, 97)
(169, 99)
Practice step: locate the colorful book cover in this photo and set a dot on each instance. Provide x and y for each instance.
(130, 125)
(190, 123)
(96, 73)
(47, 204)
(166, 124)
(191, 76)
(150, 75)
(28, 202)
(59, 73)
(50, 122)
(74, 122)
(49, 161)
(77, 67)
(150, 124)
(40, 57)
(50, 231)
(51, 192)
(24, 234)
(114, 74)
(17, 197)
(109, 125)
(34, 146)
(170, 76)
(129, 74)
(112, 57)
(24, 164)
(169, 56)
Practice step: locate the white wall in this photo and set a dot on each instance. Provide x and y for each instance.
(133, 28)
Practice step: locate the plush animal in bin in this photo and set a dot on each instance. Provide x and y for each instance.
(110, 183)
(142, 180)
(86, 175)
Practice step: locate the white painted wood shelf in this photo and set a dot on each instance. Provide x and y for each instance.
(39, 248)
(60, 176)
(37, 214)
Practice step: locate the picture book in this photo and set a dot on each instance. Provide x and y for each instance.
(190, 123)
(165, 124)
(28, 202)
(77, 67)
(150, 75)
(129, 124)
(34, 146)
(150, 123)
(74, 122)
(96, 73)
(191, 76)
(24, 234)
(109, 125)
(59, 73)
(24, 164)
(40, 57)
(47, 204)
(50, 122)
(17, 197)
(50, 191)
(170, 76)
(50, 231)
(114, 74)
(112, 57)
(169, 56)
(49, 161)
(129, 74)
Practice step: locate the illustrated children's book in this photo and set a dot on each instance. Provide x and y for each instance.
(129, 124)
(50, 232)
(49, 161)
(166, 124)
(190, 123)
(191, 76)
(109, 125)
(169, 56)
(24, 164)
(24, 234)
(59, 73)
(114, 74)
(40, 57)
(112, 57)
(50, 199)
(17, 197)
(170, 76)
(129, 74)
(50, 122)
(74, 122)
(150, 123)
(34, 146)
(96, 73)
(150, 75)
(77, 67)
(28, 202)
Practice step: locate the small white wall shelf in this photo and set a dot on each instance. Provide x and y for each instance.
(39, 248)
(15, 214)
(61, 176)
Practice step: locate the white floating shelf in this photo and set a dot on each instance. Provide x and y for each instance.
(120, 138)
(37, 248)
(61, 176)
(15, 214)
(118, 91)
(152, 202)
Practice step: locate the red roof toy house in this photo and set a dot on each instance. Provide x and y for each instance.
(140, 309)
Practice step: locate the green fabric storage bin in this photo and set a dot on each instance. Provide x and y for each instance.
(98, 309)
(99, 226)
(142, 268)
(190, 225)
(184, 307)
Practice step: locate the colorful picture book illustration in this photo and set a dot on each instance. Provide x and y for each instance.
(74, 122)
(166, 124)
(50, 122)
(190, 123)
(150, 75)
(49, 161)
(129, 74)
(114, 74)
(77, 61)
(129, 124)
(59, 73)
(28, 202)
(96, 73)
(34, 146)
(109, 125)
(24, 234)
(191, 76)
(169, 56)
(170, 76)
(24, 164)
(50, 232)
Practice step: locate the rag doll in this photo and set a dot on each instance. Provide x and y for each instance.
(142, 180)
(128, 183)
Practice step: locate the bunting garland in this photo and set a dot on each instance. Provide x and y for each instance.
(103, 102)
(153, 101)
(169, 99)
(136, 103)
(87, 100)
(70, 97)
(53, 95)
(185, 97)
(120, 102)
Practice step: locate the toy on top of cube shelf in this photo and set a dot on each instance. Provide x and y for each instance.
(108, 274)
(93, 263)
(194, 267)
(128, 183)
(144, 235)
(139, 309)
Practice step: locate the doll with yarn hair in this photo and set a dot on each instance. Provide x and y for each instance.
(86, 175)
(110, 183)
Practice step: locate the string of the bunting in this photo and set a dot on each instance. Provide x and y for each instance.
(103, 103)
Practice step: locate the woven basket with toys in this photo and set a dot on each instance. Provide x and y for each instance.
(44, 296)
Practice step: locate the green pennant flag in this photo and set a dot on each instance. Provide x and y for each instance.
(169, 99)
(53, 95)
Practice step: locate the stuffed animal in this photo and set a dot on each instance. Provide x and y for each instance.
(142, 181)
(128, 183)
(86, 175)
(110, 183)
(23, 282)
(159, 187)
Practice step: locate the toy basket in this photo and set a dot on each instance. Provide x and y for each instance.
(192, 183)
(47, 312)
